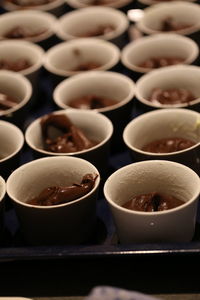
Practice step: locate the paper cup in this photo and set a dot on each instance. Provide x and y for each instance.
(165, 177)
(95, 126)
(2, 204)
(161, 124)
(68, 223)
(120, 4)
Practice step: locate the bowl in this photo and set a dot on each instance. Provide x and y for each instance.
(172, 134)
(184, 78)
(80, 55)
(94, 126)
(157, 51)
(18, 88)
(161, 179)
(12, 142)
(106, 86)
(72, 222)
(106, 23)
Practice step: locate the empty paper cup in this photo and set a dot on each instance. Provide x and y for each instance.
(70, 222)
(163, 179)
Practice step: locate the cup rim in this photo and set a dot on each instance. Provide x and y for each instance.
(155, 72)
(39, 160)
(25, 83)
(70, 111)
(145, 40)
(26, 45)
(3, 185)
(20, 135)
(78, 42)
(89, 75)
(114, 4)
(46, 16)
(62, 34)
(148, 10)
(9, 6)
(154, 114)
(148, 214)
(152, 2)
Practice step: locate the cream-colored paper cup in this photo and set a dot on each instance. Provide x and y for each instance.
(18, 86)
(158, 46)
(63, 59)
(39, 23)
(2, 204)
(12, 141)
(55, 7)
(181, 11)
(111, 85)
(95, 126)
(68, 223)
(81, 21)
(161, 124)
(164, 177)
(28, 51)
(75, 4)
(172, 77)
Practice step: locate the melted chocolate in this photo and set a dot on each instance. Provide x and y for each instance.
(17, 65)
(168, 145)
(71, 138)
(169, 24)
(171, 96)
(100, 30)
(153, 202)
(158, 62)
(20, 32)
(87, 66)
(55, 195)
(91, 102)
(7, 102)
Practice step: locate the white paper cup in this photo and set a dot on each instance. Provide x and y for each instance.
(68, 223)
(56, 7)
(12, 141)
(180, 76)
(84, 20)
(106, 84)
(181, 11)
(18, 86)
(161, 124)
(32, 20)
(62, 59)
(112, 3)
(165, 177)
(159, 45)
(33, 53)
(95, 126)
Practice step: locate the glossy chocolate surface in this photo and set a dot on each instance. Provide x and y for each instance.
(87, 66)
(15, 65)
(158, 62)
(168, 145)
(70, 138)
(152, 202)
(55, 195)
(91, 102)
(171, 96)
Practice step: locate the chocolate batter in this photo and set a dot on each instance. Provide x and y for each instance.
(87, 66)
(158, 62)
(19, 32)
(169, 24)
(171, 96)
(91, 102)
(7, 102)
(71, 138)
(100, 30)
(17, 65)
(152, 202)
(168, 145)
(55, 195)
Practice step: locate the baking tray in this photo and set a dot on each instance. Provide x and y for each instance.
(104, 242)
